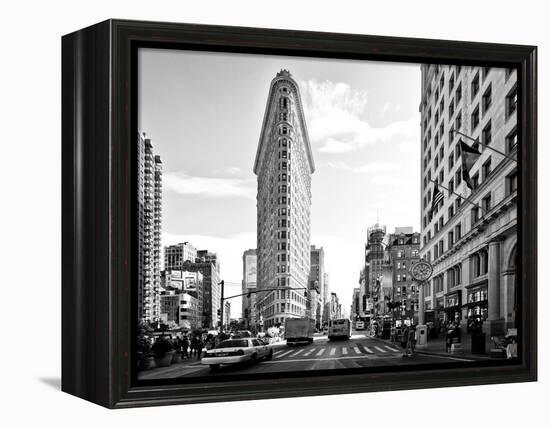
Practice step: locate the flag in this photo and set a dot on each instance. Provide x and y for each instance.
(469, 157)
(437, 197)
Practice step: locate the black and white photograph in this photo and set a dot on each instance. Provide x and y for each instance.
(301, 214)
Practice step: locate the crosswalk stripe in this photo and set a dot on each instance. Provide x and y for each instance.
(356, 349)
(368, 349)
(283, 354)
(380, 349)
(297, 353)
(309, 352)
(332, 352)
(277, 353)
(391, 349)
(321, 351)
(345, 351)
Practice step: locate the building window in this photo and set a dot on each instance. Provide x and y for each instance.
(458, 176)
(451, 160)
(511, 183)
(512, 141)
(486, 101)
(475, 180)
(458, 93)
(486, 136)
(451, 212)
(475, 119)
(486, 169)
(475, 85)
(486, 203)
(511, 102)
(450, 239)
(458, 121)
(458, 231)
(451, 83)
(474, 214)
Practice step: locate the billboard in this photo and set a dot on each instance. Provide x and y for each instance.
(176, 284)
(190, 283)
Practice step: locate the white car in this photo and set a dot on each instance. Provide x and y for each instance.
(235, 351)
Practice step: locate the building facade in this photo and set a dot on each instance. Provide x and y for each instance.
(208, 265)
(149, 172)
(226, 313)
(181, 308)
(249, 282)
(471, 242)
(317, 283)
(404, 249)
(181, 281)
(175, 255)
(376, 263)
(283, 165)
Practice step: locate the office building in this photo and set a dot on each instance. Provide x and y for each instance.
(471, 241)
(283, 165)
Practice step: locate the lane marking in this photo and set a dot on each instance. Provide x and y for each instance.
(283, 354)
(345, 351)
(309, 352)
(444, 357)
(356, 349)
(296, 353)
(321, 351)
(368, 349)
(380, 349)
(332, 352)
(301, 360)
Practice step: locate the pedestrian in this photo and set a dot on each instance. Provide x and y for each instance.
(411, 341)
(193, 345)
(184, 347)
(404, 338)
(200, 345)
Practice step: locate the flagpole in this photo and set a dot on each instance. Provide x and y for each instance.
(451, 191)
(476, 140)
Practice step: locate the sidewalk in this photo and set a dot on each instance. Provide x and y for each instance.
(438, 347)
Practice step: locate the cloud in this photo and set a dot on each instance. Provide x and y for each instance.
(373, 167)
(213, 187)
(335, 118)
(233, 170)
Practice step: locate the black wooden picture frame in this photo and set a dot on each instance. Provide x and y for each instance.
(98, 128)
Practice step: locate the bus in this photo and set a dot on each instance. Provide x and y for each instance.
(339, 329)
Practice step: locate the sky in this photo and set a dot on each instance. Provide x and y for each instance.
(203, 112)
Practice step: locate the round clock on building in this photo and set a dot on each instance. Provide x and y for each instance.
(422, 270)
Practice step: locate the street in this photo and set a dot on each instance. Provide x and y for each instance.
(322, 354)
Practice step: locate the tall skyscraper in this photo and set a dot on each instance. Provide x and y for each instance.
(250, 261)
(472, 244)
(149, 170)
(284, 165)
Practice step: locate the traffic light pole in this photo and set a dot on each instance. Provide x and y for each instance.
(222, 283)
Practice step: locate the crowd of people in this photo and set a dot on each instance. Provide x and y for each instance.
(192, 345)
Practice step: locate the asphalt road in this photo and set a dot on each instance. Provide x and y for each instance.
(322, 354)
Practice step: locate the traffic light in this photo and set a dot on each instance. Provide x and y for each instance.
(219, 312)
